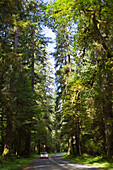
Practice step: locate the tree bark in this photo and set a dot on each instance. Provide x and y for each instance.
(27, 144)
(77, 137)
(73, 148)
(2, 134)
(69, 63)
(69, 146)
(8, 137)
(69, 60)
(16, 38)
(38, 147)
(108, 116)
(107, 103)
(32, 64)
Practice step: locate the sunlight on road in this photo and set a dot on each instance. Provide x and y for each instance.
(79, 166)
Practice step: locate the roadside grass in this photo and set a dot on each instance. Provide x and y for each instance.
(16, 163)
(97, 161)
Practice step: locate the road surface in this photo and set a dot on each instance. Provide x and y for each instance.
(55, 162)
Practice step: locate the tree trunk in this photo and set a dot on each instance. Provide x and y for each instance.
(65, 60)
(16, 38)
(8, 138)
(2, 134)
(73, 146)
(27, 145)
(69, 63)
(38, 147)
(69, 146)
(77, 137)
(9, 114)
(32, 64)
(108, 115)
(107, 88)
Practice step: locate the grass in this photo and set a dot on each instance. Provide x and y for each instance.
(16, 163)
(97, 161)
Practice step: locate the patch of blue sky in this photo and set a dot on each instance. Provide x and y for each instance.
(49, 33)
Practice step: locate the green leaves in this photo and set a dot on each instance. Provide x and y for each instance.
(84, 91)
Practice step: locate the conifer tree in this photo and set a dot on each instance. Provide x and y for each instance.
(93, 55)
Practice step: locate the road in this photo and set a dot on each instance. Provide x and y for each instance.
(55, 162)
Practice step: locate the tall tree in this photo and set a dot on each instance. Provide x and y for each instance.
(93, 33)
(23, 51)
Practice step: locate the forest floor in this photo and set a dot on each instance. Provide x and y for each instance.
(97, 161)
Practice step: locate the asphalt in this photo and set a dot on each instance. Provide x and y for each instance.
(55, 162)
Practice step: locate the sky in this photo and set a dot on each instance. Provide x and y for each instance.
(46, 0)
(50, 48)
(48, 33)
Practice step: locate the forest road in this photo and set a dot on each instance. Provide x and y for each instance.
(55, 162)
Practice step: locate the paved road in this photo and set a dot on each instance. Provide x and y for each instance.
(55, 162)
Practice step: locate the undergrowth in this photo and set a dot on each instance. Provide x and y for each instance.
(97, 161)
(13, 163)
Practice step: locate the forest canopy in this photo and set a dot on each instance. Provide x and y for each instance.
(84, 65)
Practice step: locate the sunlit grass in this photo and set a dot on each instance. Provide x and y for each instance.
(97, 161)
(16, 163)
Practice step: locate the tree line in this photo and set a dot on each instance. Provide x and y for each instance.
(84, 65)
(26, 105)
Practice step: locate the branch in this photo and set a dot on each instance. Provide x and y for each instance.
(101, 38)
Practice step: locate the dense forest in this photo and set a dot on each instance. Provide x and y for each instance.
(72, 113)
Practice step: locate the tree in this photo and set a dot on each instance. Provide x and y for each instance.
(93, 33)
(24, 96)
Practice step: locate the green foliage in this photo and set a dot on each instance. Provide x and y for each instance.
(16, 163)
(85, 95)
(25, 80)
